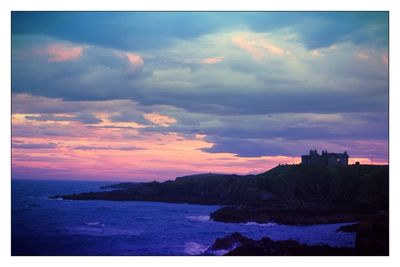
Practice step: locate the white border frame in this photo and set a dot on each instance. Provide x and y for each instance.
(210, 5)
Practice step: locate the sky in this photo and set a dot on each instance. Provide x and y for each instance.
(142, 96)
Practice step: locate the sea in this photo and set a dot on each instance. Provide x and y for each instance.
(53, 227)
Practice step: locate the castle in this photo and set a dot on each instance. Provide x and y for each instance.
(328, 159)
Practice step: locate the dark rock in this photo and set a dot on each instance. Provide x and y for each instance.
(240, 214)
(229, 242)
(348, 228)
(373, 236)
(243, 246)
(372, 239)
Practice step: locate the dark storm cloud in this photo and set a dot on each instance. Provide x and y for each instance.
(97, 75)
(129, 116)
(296, 148)
(323, 29)
(270, 101)
(102, 74)
(120, 30)
(144, 30)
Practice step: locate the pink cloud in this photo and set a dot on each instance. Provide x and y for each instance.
(212, 60)
(385, 59)
(159, 119)
(272, 49)
(316, 53)
(247, 46)
(363, 56)
(63, 52)
(135, 60)
(257, 46)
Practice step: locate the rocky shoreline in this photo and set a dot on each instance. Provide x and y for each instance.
(239, 245)
(243, 214)
(293, 194)
(372, 239)
(290, 194)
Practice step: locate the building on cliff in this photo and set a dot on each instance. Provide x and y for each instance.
(326, 159)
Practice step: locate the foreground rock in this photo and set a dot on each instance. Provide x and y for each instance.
(238, 245)
(349, 228)
(224, 245)
(372, 239)
(372, 236)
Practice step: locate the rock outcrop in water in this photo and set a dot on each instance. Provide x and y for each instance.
(238, 245)
(242, 214)
(372, 239)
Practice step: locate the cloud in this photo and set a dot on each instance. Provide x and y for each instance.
(85, 118)
(88, 147)
(362, 56)
(63, 52)
(247, 46)
(250, 84)
(135, 60)
(129, 116)
(122, 30)
(276, 147)
(159, 119)
(212, 60)
(294, 82)
(116, 30)
(33, 145)
(97, 74)
(324, 29)
(385, 59)
(316, 53)
(256, 45)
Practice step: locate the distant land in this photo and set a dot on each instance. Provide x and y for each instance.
(290, 194)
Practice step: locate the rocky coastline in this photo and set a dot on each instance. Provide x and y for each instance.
(287, 194)
(372, 239)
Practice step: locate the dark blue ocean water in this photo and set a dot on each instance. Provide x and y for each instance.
(43, 226)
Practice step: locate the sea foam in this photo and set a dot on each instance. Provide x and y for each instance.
(193, 248)
(200, 218)
(260, 224)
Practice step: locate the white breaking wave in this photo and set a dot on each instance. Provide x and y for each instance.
(221, 252)
(260, 224)
(200, 218)
(193, 248)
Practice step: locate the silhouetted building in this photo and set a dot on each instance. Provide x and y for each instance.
(328, 159)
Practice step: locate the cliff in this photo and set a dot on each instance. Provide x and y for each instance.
(360, 189)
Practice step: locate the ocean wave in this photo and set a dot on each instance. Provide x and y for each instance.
(100, 229)
(199, 218)
(97, 224)
(193, 248)
(260, 224)
(220, 252)
(52, 199)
